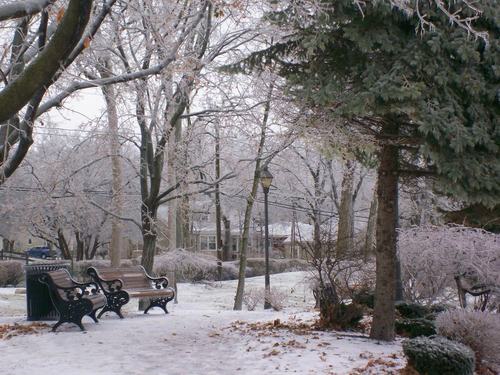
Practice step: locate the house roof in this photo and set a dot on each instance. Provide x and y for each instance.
(210, 229)
(303, 232)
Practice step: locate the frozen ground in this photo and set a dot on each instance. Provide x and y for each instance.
(201, 335)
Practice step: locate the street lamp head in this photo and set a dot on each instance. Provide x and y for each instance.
(266, 178)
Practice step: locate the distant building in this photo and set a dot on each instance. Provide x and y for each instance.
(284, 242)
(288, 238)
(205, 239)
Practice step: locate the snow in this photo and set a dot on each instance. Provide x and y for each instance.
(201, 335)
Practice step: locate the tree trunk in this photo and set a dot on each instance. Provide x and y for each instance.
(238, 299)
(115, 247)
(149, 236)
(218, 213)
(387, 219)
(148, 253)
(228, 246)
(186, 232)
(171, 222)
(95, 246)
(345, 230)
(179, 239)
(63, 245)
(79, 246)
(370, 239)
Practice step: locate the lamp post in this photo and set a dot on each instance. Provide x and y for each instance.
(266, 178)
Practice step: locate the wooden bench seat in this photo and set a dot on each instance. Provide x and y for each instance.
(72, 300)
(121, 284)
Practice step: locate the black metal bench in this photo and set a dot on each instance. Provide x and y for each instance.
(121, 284)
(72, 300)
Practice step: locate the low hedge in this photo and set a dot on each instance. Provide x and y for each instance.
(410, 310)
(11, 272)
(437, 355)
(415, 327)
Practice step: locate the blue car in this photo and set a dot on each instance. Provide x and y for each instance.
(39, 252)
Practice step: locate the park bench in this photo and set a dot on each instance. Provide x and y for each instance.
(121, 284)
(72, 300)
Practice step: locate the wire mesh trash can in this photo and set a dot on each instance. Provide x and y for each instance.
(38, 302)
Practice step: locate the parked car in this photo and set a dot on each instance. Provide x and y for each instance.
(42, 252)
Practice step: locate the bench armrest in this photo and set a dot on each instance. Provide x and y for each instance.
(79, 291)
(75, 292)
(107, 286)
(160, 282)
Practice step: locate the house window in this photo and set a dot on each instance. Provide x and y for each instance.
(208, 243)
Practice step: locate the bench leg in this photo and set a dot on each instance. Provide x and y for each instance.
(114, 303)
(159, 302)
(78, 323)
(92, 315)
(72, 313)
(54, 327)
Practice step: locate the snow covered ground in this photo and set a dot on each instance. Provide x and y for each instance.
(201, 335)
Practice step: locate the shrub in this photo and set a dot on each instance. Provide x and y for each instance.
(365, 297)
(415, 327)
(252, 298)
(255, 297)
(194, 267)
(341, 316)
(14, 272)
(439, 308)
(277, 299)
(438, 356)
(191, 267)
(478, 329)
(432, 256)
(258, 265)
(412, 310)
(3, 275)
(435, 310)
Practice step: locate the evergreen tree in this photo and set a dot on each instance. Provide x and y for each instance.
(429, 100)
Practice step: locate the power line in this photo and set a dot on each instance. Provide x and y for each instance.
(283, 205)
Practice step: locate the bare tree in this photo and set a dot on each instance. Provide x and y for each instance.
(39, 55)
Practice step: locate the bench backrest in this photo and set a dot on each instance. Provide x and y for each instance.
(132, 277)
(61, 278)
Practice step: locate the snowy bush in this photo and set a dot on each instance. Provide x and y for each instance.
(14, 272)
(415, 327)
(478, 329)
(258, 265)
(438, 356)
(432, 256)
(187, 265)
(252, 298)
(364, 297)
(192, 267)
(412, 310)
(277, 298)
(354, 277)
(3, 276)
